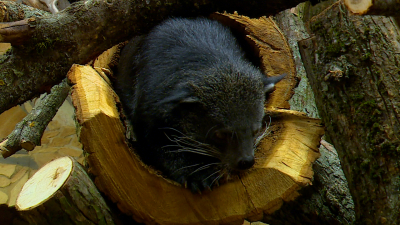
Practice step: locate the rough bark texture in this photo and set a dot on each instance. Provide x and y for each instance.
(291, 24)
(77, 201)
(352, 63)
(28, 133)
(85, 29)
(328, 200)
(11, 11)
(17, 32)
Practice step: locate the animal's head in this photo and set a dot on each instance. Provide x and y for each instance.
(222, 115)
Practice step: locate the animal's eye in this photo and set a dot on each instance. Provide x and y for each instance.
(222, 136)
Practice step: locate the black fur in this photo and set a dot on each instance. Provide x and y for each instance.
(187, 86)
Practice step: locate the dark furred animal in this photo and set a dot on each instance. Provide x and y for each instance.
(195, 102)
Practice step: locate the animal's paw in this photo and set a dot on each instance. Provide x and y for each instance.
(199, 182)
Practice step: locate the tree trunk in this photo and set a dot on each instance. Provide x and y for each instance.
(352, 64)
(62, 193)
(328, 200)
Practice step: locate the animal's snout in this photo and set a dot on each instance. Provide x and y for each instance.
(245, 163)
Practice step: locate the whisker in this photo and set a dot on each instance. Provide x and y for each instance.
(184, 136)
(191, 141)
(203, 151)
(192, 151)
(168, 137)
(204, 167)
(185, 167)
(210, 130)
(170, 128)
(195, 144)
(211, 175)
(188, 144)
(264, 134)
(209, 149)
(217, 178)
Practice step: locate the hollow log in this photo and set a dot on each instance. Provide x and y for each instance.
(62, 193)
(352, 64)
(283, 164)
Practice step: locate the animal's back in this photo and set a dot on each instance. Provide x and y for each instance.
(181, 47)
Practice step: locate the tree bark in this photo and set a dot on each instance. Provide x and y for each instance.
(352, 64)
(16, 33)
(61, 39)
(28, 133)
(328, 200)
(11, 11)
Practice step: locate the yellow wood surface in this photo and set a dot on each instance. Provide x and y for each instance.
(44, 184)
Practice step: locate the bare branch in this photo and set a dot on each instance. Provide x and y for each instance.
(28, 133)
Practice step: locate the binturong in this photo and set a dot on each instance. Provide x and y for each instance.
(195, 103)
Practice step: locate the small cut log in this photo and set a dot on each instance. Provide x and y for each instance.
(62, 193)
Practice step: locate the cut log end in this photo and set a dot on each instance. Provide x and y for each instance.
(44, 184)
(61, 192)
(359, 7)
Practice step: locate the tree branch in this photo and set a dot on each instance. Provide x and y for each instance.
(85, 29)
(328, 200)
(28, 133)
(360, 108)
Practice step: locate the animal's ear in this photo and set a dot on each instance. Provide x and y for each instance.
(181, 102)
(180, 97)
(269, 82)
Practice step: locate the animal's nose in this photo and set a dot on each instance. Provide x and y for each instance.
(245, 163)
